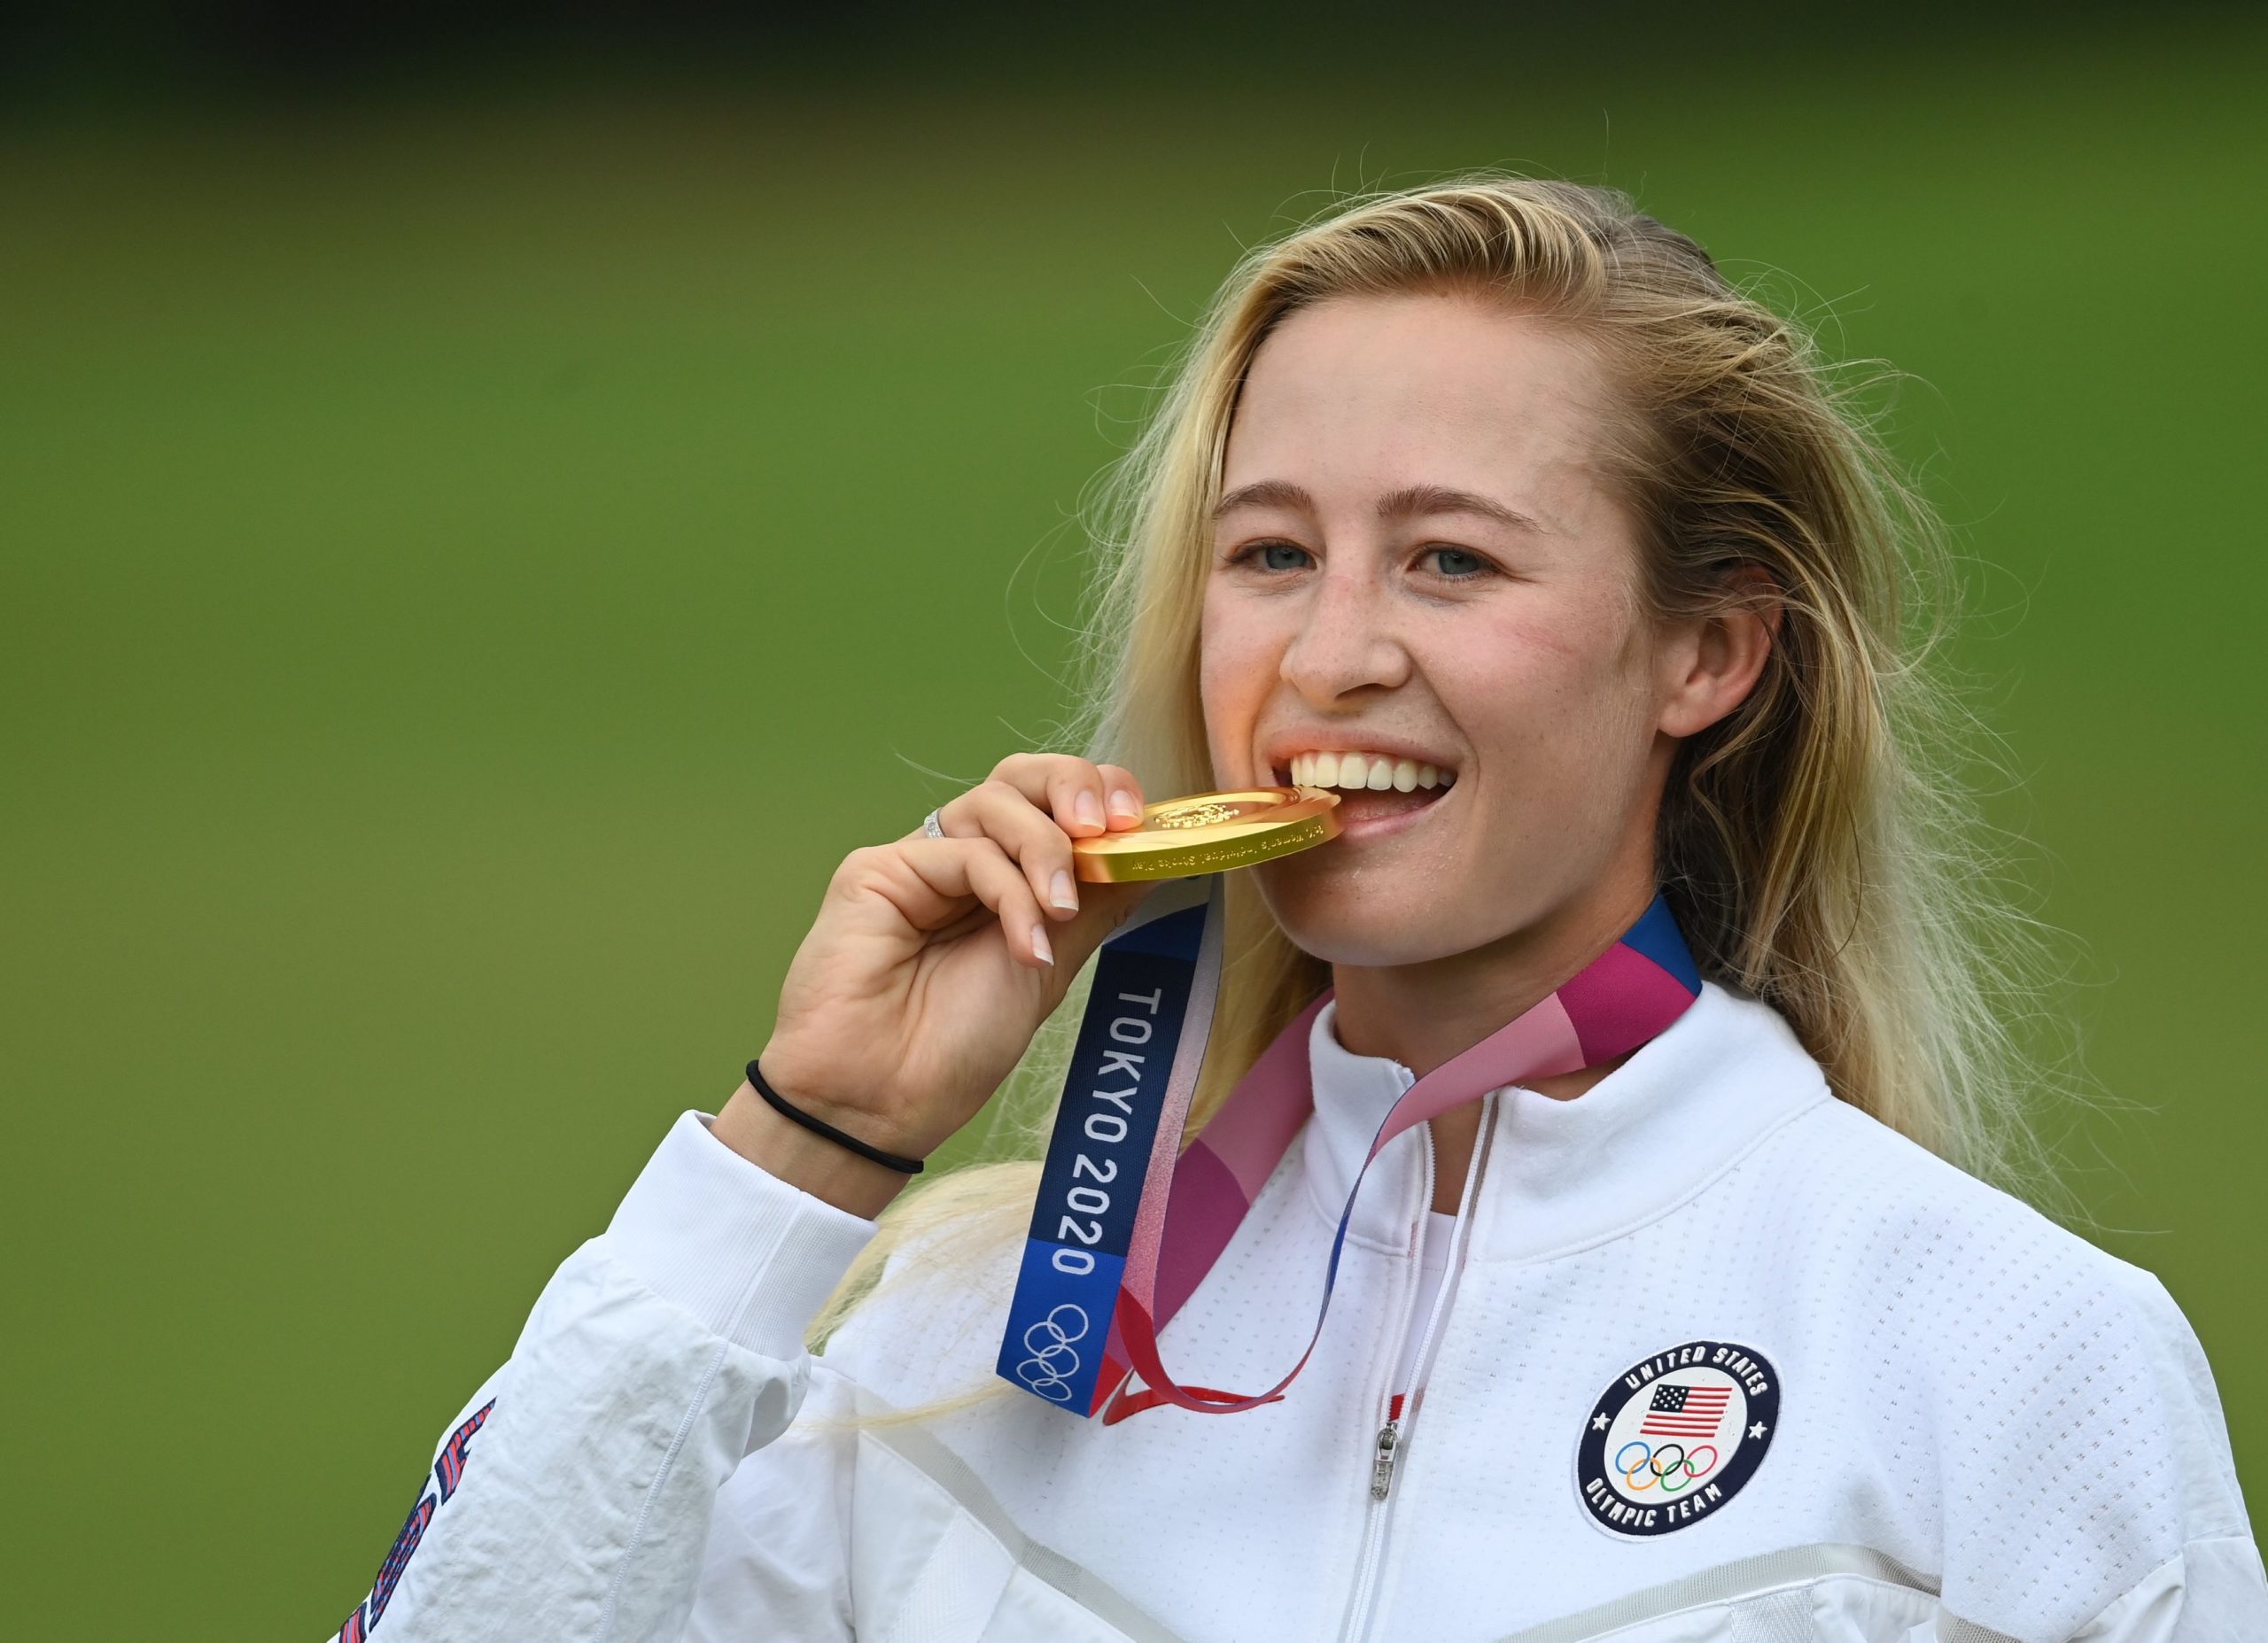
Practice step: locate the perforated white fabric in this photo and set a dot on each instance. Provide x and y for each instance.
(1966, 1387)
(1432, 1262)
(1958, 1424)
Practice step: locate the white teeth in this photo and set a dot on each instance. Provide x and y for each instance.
(1375, 773)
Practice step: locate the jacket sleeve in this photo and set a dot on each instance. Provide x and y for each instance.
(2092, 1497)
(2211, 1588)
(572, 1497)
(779, 1541)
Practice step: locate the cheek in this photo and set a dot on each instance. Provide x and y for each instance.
(1235, 665)
(1566, 683)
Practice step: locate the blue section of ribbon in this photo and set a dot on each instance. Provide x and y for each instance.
(1655, 935)
(1174, 935)
(1100, 1150)
(1099, 1153)
(1060, 1324)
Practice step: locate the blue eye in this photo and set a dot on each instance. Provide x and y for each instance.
(1476, 564)
(1261, 553)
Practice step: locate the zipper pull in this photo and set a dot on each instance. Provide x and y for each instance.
(1382, 1468)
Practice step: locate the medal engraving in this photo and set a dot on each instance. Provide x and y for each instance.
(1208, 833)
(1194, 813)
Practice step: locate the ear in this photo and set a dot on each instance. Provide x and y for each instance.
(1715, 661)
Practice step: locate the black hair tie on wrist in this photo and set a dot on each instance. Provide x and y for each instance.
(888, 1160)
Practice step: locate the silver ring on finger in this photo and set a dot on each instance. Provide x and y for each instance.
(930, 826)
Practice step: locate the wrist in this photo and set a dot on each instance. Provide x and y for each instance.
(787, 1152)
(820, 1126)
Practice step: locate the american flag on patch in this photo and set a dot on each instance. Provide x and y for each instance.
(1686, 1410)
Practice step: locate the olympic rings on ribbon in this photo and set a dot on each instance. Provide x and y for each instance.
(1659, 1467)
(1052, 1360)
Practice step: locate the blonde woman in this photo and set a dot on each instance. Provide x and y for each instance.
(1494, 505)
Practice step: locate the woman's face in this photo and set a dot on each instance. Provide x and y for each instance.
(1416, 557)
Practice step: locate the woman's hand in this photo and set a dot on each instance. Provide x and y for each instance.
(928, 969)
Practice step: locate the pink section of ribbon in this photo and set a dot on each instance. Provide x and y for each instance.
(1207, 1206)
(1270, 1102)
(1538, 1044)
(1617, 1002)
(1622, 1001)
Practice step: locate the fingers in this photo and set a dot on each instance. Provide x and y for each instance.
(1083, 799)
(1122, 799)
(1034, 805)
(999, 812)
(938, 879)
(1028, 812)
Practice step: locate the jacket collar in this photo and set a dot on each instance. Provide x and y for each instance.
(1560, 1174)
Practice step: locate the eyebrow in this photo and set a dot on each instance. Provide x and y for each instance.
(1410, 501)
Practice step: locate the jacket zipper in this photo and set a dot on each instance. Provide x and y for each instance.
(1389, 1438)
(1382, 1468)
(1387, 1445)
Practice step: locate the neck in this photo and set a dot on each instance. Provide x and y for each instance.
(1426, 1014)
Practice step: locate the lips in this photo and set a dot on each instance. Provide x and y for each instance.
(1382, 787)
(1355, 807)
(1366, 817)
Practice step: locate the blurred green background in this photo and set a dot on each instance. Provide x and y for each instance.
(484, 527)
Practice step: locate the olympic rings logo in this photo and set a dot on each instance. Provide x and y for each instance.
(1658, 1467)
(1052, 1360)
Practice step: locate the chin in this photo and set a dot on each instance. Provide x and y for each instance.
(1327, 923)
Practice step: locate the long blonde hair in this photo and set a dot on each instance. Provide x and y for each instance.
(1816, 845)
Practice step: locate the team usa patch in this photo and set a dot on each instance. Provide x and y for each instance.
(1675, 1436)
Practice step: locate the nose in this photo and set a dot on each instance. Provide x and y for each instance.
(1344, 642)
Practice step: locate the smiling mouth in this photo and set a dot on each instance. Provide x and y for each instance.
(1354, 773)
(1360, 801)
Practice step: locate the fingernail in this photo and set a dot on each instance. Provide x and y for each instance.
(1060, 892)
(1123, 803)
(1084, 807)
(1039, 943)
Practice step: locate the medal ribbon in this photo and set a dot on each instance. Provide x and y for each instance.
(1127, 1224)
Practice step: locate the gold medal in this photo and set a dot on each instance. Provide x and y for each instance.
(1209, 832)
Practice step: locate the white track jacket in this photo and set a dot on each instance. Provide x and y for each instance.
(1718, 1358)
